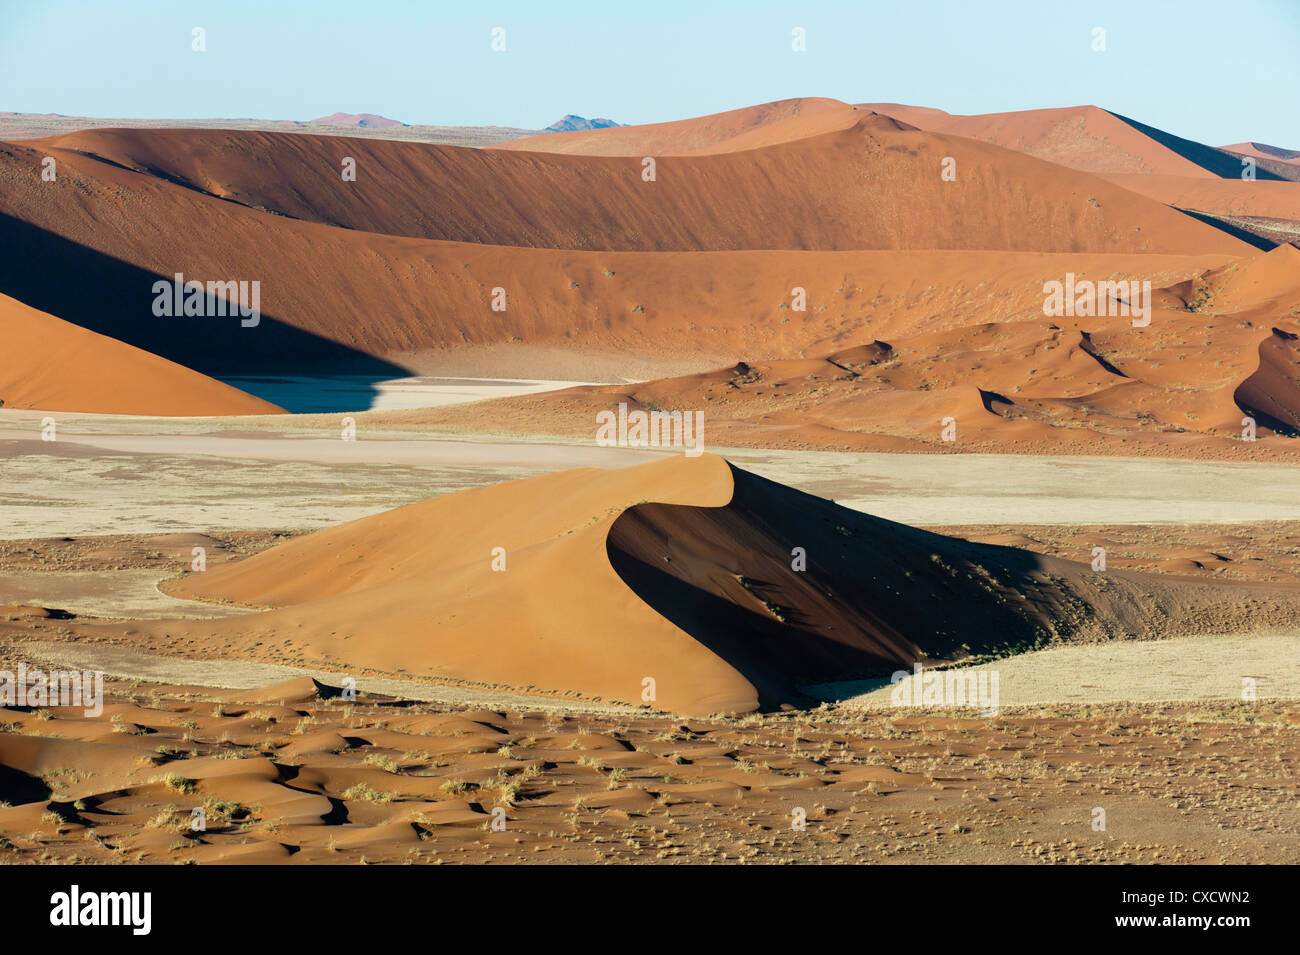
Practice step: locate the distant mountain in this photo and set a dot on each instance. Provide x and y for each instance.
(359, 120)
(572, 124)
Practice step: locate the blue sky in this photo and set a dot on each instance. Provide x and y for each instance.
(1214, 72)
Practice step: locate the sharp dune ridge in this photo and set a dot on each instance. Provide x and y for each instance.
(681, 571)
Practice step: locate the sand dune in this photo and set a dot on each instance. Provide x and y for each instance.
(336, 290)
(343, 295)
(682, 571)
(52, 365)
(1024, 383)
(747, 128)
(296, 776)
(1150, 162)
(1273, 391)
(874, 185)
(1274, 199)
(1080, 137)
(1265, 151)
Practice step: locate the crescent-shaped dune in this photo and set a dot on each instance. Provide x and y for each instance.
(722, 590)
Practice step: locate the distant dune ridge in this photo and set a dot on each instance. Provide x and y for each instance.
(1170, 169)
(728, 591)
(1265, 151)
(873, 185)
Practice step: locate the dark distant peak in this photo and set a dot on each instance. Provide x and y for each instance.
(572, 124)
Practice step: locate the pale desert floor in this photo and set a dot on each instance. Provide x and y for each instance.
(306, 394)
(123, 475)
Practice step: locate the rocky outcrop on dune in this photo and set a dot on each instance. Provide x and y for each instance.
(713, 588)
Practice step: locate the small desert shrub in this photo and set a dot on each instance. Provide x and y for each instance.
(369, 794)
(454, 787)
(176, 783)
(386, 763)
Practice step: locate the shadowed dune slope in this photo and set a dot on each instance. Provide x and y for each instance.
(682, 571)
(52, 365)
(874, 185)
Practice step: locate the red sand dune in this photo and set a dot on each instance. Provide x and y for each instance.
(1265, 151)
(1273, 391)
(1024, 382)
(748, 128)
(682, 571)
(1278, 200)
(1177, 172)
(389, 296)
(351, 293)
(52, 365)
(874, 185)
(1078, 137)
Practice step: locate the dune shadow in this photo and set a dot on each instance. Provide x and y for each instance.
(874, 597)
(1223, 164)
(1250, 238)
(115, 298)
(17, 787)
